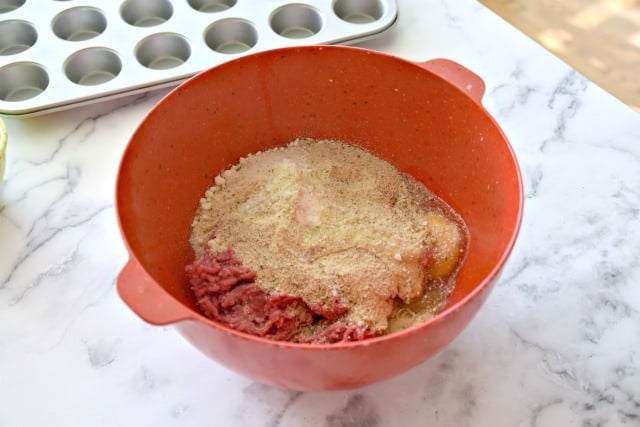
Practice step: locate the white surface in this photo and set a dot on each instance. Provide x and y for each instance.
(557, 344)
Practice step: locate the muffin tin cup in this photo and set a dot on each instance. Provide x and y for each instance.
(59, 54)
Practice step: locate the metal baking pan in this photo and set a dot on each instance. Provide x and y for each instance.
(56, 54)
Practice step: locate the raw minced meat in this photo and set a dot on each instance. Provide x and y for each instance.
(226, 292)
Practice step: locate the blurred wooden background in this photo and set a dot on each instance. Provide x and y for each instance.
(599, 38)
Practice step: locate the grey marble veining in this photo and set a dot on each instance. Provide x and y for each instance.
(557, 344)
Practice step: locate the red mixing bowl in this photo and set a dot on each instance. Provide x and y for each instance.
(425, 118)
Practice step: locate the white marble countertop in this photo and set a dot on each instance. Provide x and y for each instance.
(557, 344)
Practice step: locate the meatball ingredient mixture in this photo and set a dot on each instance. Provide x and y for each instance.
(321, 242)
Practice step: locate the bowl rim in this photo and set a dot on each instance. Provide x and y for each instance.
(195, 316)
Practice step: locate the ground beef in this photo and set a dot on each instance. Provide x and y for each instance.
(337, 332)
(226, 292)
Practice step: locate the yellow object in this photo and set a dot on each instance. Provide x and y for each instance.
(3, 148)
(447, 241)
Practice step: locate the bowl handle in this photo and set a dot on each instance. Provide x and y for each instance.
(146, 298)
(465, 79)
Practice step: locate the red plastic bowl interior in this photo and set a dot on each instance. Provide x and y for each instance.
(425, 118)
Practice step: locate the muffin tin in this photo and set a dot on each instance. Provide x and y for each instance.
(56, 54)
